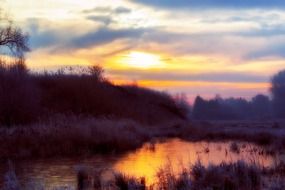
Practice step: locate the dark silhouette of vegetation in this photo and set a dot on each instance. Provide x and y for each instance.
(27, 98)
(259, 107)
(19, 98)
(278, 94)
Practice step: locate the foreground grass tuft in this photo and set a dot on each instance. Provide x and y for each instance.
(231, 176)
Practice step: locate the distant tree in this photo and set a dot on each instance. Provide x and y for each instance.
(97, 72)
(278, 94)
(222, 109)
(182, 103)
(199, 108)
(261, 106)
(13, 37)
(240, 107)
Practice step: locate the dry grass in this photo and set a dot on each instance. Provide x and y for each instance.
(261, 133)
(70, 136)
(74, 135)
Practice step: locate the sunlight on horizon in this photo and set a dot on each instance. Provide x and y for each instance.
(141, 60)
(138, 42)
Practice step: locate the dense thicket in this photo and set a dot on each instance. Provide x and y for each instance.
(259, 107)
(278, 94)
(26, 97)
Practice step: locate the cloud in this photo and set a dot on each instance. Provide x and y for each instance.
(273, 50)
(244, 4)
(105, 35)
(229, 45)
(122, 10)
(97, 10)
(205, 77)
(107, 10)
(238, 36)
(40, 38)
(106, 20)
(105, 15)
(43, 34)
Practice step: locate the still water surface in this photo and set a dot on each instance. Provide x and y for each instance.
(145, 161)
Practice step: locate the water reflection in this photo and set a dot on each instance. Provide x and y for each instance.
(180, 154)
(144, 162)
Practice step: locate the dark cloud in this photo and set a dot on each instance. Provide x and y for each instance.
(105, 35)
(122, 10)
(40, 38)
(108, 10)
(264, 31)
(277, 50)
(214, 3)
(43, 35)
(97, 10)
(106, 20)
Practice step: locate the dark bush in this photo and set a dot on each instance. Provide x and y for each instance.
(19, 97)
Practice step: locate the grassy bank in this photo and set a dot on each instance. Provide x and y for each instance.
(265, 133)
(71, 136)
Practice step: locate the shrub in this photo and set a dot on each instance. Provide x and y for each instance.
(19, 98)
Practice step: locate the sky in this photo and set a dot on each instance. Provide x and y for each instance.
(230, 48)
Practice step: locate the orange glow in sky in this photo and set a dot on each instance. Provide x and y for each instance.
(158, 46)
(141, 60)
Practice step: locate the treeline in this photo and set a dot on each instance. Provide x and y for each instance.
(218, 108)
(259, 107)
(26, 98)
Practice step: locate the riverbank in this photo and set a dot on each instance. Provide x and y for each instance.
(66, 136)
(71, 136)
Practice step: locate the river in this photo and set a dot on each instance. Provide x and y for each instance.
(145, 161)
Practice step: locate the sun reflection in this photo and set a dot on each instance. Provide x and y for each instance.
(177, 155)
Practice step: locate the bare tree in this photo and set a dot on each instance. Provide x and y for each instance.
(13, 38)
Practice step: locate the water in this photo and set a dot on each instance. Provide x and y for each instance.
(145, 161)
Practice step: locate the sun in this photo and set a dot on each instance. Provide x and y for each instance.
(142, 60)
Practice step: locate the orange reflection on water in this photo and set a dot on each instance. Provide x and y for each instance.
(178, 154)
(145, 162)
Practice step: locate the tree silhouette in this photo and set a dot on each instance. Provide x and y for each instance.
(199, 108)
(261, 106)
(278, 93)
(13, 38)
